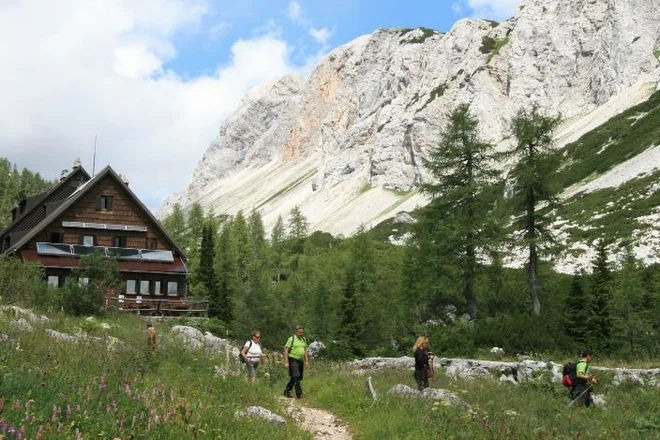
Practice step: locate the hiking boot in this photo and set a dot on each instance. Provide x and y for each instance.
(287, 394)
(299, 396)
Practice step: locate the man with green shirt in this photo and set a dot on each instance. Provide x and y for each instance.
(585, 381)
(295, 358)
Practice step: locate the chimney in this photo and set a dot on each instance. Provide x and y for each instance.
(77, 163)
(124, 179)
(63, 174)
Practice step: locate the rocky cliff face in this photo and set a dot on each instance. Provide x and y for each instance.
(346, 144)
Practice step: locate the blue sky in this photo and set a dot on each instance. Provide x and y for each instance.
(153, 80)
(312, 26)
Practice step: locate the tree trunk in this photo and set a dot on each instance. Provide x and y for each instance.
(533, 281)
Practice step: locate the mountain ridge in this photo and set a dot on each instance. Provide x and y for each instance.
(346, 144)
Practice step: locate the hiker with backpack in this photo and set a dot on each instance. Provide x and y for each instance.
(251, 355)
(423, 362)
(578, 378)
(296, 358)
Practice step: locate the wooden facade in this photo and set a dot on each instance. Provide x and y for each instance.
(84, 214)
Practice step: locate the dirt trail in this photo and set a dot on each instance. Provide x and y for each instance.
(322, 424)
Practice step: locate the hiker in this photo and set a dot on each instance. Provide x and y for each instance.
(252, 354)
(151, 336)
(423, 359)
(295, 353)
(585, 381)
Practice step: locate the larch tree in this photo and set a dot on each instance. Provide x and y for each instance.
(462, 165)
(531, 185)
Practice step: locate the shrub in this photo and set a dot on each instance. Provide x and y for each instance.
(79, 300)
(22, 283)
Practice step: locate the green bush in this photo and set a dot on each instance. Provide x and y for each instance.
(80, 300)
(22, 283)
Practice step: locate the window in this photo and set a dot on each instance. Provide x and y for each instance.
(172, 288)
(157, 288)
(119, 241)
(56, 237)
(144, 287)
(131, 286)
(105, 202)
(83, 281)
(54, 280)
(88, 240)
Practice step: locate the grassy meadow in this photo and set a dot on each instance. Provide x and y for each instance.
(58, 390)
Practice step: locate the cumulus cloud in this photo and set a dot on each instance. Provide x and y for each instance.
(320, 35)
(495, 9)
(87, 69)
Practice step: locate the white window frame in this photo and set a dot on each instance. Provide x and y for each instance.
(157, 288)
(86, 239)
(171, 284)
(131, 287)
(54, 280)
(83, 281)
(143, 290)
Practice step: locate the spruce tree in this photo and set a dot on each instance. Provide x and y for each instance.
(226, 264)
(600, 324)
(207, 276)
(576, 315)
(631, 320)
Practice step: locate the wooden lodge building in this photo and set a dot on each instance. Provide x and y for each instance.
(84, 214)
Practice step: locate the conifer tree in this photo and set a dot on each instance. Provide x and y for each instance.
(357, 292)
(226, 264)
(576, 316)
(601, 290)
(277, 247)
(175, 224)
(298, 225)
(532, 184)
(463, 194)
(207, 275)
(630, 317)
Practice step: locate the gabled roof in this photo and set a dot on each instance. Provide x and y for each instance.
(84, 189)
(39, 199)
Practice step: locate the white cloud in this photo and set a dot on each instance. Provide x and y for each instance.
(295, 13)
(320, 35)
(495, 9)
(72, 70)
(218, 30)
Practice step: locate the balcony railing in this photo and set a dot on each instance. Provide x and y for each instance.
(157, 306)
(78, 250)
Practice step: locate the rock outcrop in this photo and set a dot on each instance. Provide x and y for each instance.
(346, 145)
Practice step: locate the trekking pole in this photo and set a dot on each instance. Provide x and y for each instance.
(581, 394)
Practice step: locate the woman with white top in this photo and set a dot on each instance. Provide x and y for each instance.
(252, 354)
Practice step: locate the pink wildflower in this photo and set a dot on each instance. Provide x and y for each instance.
(68, 411)
(28, 403)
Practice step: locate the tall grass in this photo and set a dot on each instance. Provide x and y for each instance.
(57, 390)
(63, 390)
(502, 411)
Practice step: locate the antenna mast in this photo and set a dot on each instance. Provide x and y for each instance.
(94, 159)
